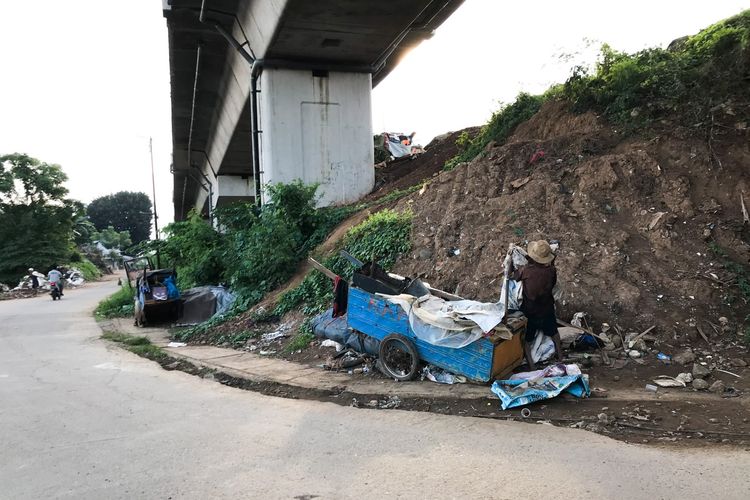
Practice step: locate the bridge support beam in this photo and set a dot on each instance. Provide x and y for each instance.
(233, 188)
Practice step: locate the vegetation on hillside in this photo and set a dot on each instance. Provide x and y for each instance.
(691, 81)
(383, 236)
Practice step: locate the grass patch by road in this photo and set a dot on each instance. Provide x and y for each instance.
(117, 305)
(139, 345)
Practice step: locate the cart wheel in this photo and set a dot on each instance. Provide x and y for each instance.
(398, 357)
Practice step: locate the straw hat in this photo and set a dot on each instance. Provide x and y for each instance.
(540, 251)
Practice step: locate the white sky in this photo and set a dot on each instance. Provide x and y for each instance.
(84, 83)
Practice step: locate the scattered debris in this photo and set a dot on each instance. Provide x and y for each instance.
(282, 331)
(664, 357)
(667, 381)
(440, 376)
(391, 403)
(332, 343)
(176, 344)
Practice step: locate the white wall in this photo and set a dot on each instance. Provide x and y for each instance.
(318, 129)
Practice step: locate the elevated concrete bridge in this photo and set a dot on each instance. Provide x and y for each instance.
(267, 91)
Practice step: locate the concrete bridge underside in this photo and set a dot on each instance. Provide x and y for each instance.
(275, 90)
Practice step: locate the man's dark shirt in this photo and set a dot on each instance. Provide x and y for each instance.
(538, 281)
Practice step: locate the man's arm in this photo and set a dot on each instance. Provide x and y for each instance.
(516, 274)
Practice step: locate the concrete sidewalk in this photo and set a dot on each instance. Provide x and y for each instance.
(258, 368)
(263, 369)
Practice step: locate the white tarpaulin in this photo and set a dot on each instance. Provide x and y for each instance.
(448, 323)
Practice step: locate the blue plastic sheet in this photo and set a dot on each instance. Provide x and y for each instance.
(513, 393)
(337, 329)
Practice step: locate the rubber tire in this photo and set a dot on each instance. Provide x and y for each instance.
(412, 351)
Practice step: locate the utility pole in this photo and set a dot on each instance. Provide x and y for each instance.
(153, 186)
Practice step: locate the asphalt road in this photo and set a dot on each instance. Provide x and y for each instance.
(82, 419)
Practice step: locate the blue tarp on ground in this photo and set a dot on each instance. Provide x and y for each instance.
(514, 393)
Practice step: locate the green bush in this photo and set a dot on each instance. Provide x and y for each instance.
(88, 269)
(117, 305)
(684, 82)
(502, 124)
(384, 235)
(195, 250)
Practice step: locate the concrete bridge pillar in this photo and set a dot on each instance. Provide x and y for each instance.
(316, 127)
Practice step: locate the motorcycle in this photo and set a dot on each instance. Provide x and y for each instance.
(55, 290)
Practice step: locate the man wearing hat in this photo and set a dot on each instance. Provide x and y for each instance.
(34, 279)
(539, 277)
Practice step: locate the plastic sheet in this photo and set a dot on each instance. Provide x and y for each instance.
(337, 329)
(543, 347)
(204, 302)
(520, 392)
(433, 320)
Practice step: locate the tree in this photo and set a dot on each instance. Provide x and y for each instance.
(36, 219)
(112, 239)
(124, 211)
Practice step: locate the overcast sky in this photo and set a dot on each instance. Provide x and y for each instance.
(85, 83)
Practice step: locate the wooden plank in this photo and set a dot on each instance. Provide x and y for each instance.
(443, 295)
(320, 267)
(507, 355)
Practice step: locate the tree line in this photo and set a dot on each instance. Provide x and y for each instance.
(40, 226)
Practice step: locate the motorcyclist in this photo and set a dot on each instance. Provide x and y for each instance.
(55, 276)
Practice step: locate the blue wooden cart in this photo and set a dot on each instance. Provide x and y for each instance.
(480, 361)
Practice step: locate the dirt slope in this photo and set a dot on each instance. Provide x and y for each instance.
(406, 172)
(634, 216)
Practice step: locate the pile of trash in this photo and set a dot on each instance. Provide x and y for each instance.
(398, 145)
(73, 278)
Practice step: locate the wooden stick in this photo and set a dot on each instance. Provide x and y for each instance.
(745, 217)
(563, 323)
(728, 373)
(323, 269)
(622, 339)
(605, 357)
(637, 337)
(716, 328)
(443, 295)
(700, 330)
